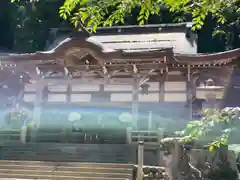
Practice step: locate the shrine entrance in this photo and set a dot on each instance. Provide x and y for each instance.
(77, 124)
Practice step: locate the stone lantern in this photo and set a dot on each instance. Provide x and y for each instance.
(210, 93)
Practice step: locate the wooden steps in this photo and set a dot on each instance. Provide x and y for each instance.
(65, 170)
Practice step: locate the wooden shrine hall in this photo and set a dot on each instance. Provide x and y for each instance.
(138, 70)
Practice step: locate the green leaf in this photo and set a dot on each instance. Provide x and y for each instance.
(211, 148)
(141, 22)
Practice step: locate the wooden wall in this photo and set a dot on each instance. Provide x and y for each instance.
(169, 91)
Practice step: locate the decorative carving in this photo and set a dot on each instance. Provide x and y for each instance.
(135, 69)
(209, 82)
(76, 74)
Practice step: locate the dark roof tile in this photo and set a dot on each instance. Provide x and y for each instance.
(141, 38)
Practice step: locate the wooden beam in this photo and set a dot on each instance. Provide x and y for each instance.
(135, 69)
(123, 105)
(146, 78)
(38, 101)
(135, 102)
(121, 79)
(86, 81)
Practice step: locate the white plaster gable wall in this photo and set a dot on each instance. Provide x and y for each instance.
(30, 88)
(118, 87)
(57, 97)
(80, 97)
(175, 86)
(58, 88)
(121, 97)
(175, 97)
(151, 97)
(86, 87)
(29, 97)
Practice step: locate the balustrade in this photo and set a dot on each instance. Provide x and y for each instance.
(150, 137)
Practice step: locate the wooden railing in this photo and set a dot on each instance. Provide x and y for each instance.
(98, 136)
(149, 137)
(9, 135)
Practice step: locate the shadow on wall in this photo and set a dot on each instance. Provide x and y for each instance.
(232, 98)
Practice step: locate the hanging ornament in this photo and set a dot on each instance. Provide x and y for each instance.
(144, 88)
(74, 116)
(126, 117)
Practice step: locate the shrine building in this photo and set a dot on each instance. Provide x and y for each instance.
(150, 72)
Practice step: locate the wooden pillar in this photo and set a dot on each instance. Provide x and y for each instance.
(23, 134)
(38, 102)
(129, 135)
(36, 114)
(135, 103)
(189, 92)
(161, 89)
(69, 92)
(19, 98)
(175, 161)
(150, 126)
(140, 160)
(159, 152)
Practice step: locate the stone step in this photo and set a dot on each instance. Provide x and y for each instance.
(52, 152)
(102, 153)
(69, 159)
(65, 173)
(54, 146)
(65, 164)
(66, 168)
(55, 177)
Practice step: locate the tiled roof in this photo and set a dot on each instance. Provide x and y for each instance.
(142, 42)
(147, 42)
(143, 38)
(129, 43)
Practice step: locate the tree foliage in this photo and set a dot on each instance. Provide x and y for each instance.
(30, 22)
(93, 13)
(216, 128)
(87, 15)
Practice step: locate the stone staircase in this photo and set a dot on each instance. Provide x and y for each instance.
(57, 152)
(64, 170)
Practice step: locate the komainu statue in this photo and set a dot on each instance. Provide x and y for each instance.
(217, 165)
(177, 161)
(185, 163)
